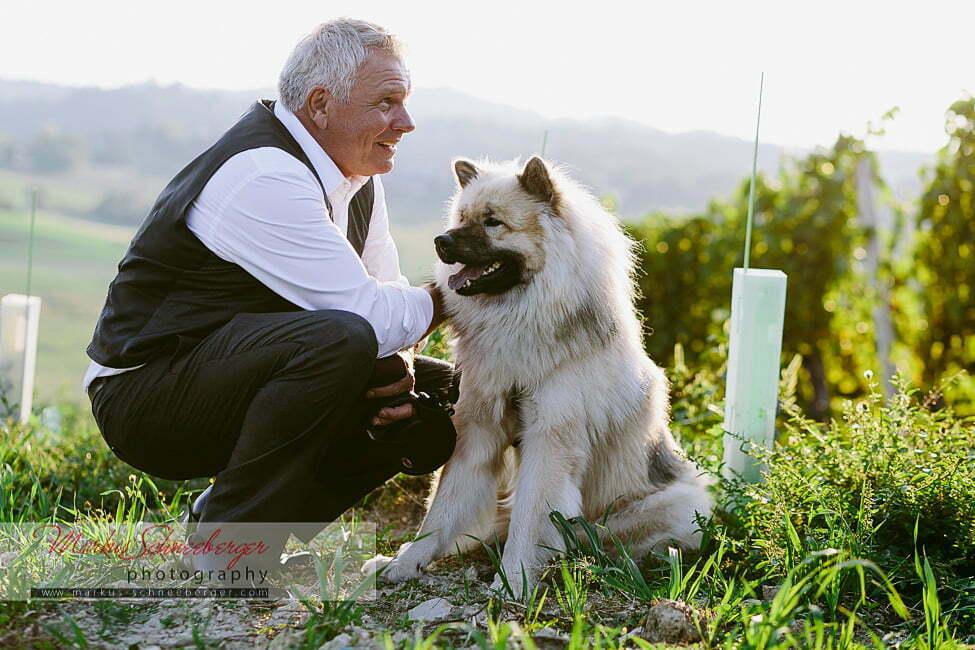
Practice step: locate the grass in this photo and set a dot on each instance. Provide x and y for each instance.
(863, 535)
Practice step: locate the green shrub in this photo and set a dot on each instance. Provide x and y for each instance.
(944, 331)
(858, 484)
(874, 471)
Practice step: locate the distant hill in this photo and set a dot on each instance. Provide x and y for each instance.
(156, 129)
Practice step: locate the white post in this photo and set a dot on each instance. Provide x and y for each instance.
(19, 319)
(757, 315)
(878, 220)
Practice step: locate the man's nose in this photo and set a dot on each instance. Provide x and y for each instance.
(404, 121)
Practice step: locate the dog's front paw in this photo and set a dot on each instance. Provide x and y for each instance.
(398, 571)
(395, 569)
(374, 564)
(392, 569)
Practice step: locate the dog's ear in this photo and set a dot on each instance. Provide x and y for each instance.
(536, 181)
(465, 171)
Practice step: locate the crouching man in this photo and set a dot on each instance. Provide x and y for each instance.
(240, 338)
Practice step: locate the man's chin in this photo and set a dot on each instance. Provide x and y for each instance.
(380, 167)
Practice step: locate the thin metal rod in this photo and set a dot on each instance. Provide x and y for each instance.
(751, 190)
(30, 240)
(27, 348)
(544, 142)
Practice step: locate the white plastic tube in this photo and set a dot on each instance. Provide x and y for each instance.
(757, 315)
(19, 319)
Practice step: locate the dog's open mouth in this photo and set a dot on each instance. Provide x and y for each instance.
(467, 276)
(488, 277)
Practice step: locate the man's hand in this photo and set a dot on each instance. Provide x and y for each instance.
(395, 365)
(399, 363)
(438, 308)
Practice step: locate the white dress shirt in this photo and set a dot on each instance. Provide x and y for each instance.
(264, 211)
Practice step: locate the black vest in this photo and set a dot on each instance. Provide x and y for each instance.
(171, 290)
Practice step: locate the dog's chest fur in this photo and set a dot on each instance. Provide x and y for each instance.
(520, 343)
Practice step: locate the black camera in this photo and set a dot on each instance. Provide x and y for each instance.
(420, 443)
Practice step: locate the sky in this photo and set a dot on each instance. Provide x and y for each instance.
(677, 66)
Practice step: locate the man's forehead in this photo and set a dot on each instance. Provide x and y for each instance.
(398, 82)
(380, 69)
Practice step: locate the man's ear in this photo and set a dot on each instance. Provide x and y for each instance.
(317, 105)
(465, 171)
(536, 181)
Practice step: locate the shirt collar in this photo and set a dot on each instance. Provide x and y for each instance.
(332, 178)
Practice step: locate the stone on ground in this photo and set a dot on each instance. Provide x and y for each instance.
(434, 609)
(670, 621)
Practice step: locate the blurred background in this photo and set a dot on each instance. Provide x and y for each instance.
(866, 194)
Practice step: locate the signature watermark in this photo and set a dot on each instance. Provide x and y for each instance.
(213, 560)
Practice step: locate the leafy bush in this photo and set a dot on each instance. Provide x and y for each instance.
(862, 481)
(684, 280)
(857, 485)
(945, 255)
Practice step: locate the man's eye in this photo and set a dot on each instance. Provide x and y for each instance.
(491, 221)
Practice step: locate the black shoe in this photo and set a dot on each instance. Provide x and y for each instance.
(193, 513)
(301, 566)
(300, 561)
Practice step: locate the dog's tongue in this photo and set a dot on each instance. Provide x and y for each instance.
(457, 280)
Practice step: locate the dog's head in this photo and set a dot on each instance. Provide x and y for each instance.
(496, 230)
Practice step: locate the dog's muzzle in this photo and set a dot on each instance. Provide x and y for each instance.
(444, 245)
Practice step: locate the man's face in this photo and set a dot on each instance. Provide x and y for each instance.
(361, 136)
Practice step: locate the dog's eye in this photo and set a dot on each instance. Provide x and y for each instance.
(491, 221)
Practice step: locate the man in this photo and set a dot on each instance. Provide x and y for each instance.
(239, 338)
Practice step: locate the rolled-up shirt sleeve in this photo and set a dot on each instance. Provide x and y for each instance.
(273, 223)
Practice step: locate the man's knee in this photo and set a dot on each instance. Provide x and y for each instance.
(358, 337)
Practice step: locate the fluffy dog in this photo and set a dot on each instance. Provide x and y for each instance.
(560, 407)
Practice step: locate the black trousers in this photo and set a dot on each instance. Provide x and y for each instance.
(271, 405)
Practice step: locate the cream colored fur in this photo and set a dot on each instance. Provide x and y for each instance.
(592, 414)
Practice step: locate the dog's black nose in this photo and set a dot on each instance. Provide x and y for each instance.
(443, 244)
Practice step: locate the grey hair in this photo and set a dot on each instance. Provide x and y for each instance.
(329, 57)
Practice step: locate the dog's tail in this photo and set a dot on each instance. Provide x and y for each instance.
(665, 465)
